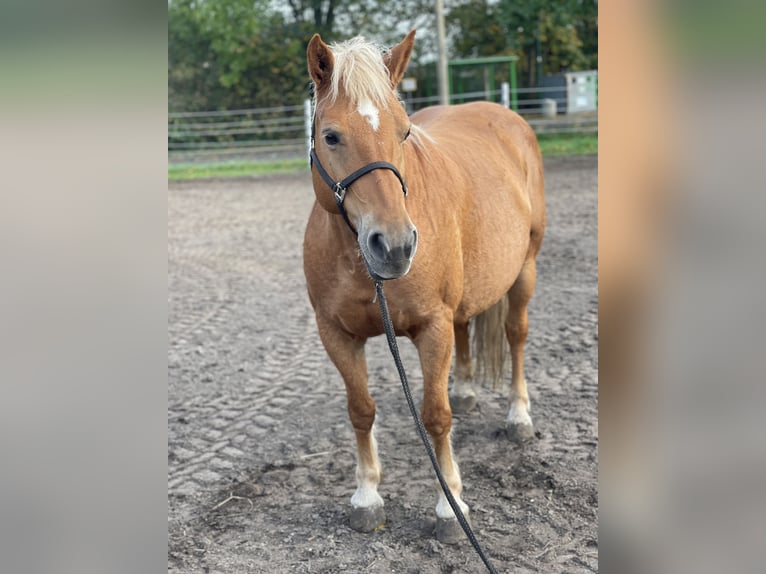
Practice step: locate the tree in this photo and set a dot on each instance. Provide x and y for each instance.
(562, 33)
(227, 54)
(232, 54)
(192, 68)
(315, 16)
(475, 30)
(551, 30)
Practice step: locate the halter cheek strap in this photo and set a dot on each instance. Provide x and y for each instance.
(340, 188)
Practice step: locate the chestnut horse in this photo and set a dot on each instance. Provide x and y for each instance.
(460, 242)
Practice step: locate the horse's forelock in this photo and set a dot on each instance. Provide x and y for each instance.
(360, 69)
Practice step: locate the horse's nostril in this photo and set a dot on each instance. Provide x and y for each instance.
(378, 245)
(403, 247)
(409, 247)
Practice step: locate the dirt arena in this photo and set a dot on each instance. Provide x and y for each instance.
(260, 449)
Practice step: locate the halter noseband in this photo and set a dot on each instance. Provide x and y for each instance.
(340, 188)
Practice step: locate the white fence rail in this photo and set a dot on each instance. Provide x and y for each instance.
(283, 132)
(263, 133)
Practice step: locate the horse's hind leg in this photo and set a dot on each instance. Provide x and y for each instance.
(347, 353)
(519, 423)
(462, 397)
(434, 344)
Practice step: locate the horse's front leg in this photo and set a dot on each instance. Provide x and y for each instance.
(434, 343)
(347, 353)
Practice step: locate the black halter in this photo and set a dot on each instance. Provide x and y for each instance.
(340, 188)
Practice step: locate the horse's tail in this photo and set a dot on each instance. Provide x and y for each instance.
(490, 345)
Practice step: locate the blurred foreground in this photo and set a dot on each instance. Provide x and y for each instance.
(681, 309)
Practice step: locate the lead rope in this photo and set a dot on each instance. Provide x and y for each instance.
(391, 337)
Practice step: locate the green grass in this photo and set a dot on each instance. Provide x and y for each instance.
(551, 145)
(234, 168)
(568, 144)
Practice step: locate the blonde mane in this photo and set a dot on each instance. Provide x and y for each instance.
(360, 69)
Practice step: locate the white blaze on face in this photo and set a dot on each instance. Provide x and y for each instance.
(370, 112)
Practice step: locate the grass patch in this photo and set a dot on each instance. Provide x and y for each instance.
(568, 144)
(550, 144)
(234, 168)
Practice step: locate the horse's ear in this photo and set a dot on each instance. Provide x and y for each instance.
(320, 61)
(399, 56)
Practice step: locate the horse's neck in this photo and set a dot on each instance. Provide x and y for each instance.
(427, 163)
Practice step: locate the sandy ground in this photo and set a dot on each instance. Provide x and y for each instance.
(260, 450)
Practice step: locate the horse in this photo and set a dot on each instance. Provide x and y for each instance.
(447, 206)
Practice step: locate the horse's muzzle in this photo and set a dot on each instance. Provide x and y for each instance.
(389, 255)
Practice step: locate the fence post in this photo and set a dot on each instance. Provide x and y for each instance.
(307, 116)
(505, 94)
(549, 108)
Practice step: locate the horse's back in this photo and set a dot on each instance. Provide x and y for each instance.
(489, 141)
(465, 122)
(491, 158)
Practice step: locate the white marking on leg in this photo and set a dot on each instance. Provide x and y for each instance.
(463, 386)
(519, 413)
(366, 495)
(443, 508)
(367, 110)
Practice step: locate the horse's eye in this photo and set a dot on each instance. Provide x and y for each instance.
(409, 130)
(331, 139)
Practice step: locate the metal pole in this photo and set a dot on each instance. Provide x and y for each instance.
(492, 82)
(514, 90)
(441, 67)
(539, 53)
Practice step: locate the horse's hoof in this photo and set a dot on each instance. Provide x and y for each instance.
(520, 432)
(449, 531)
(364, 519)
(462, 404)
